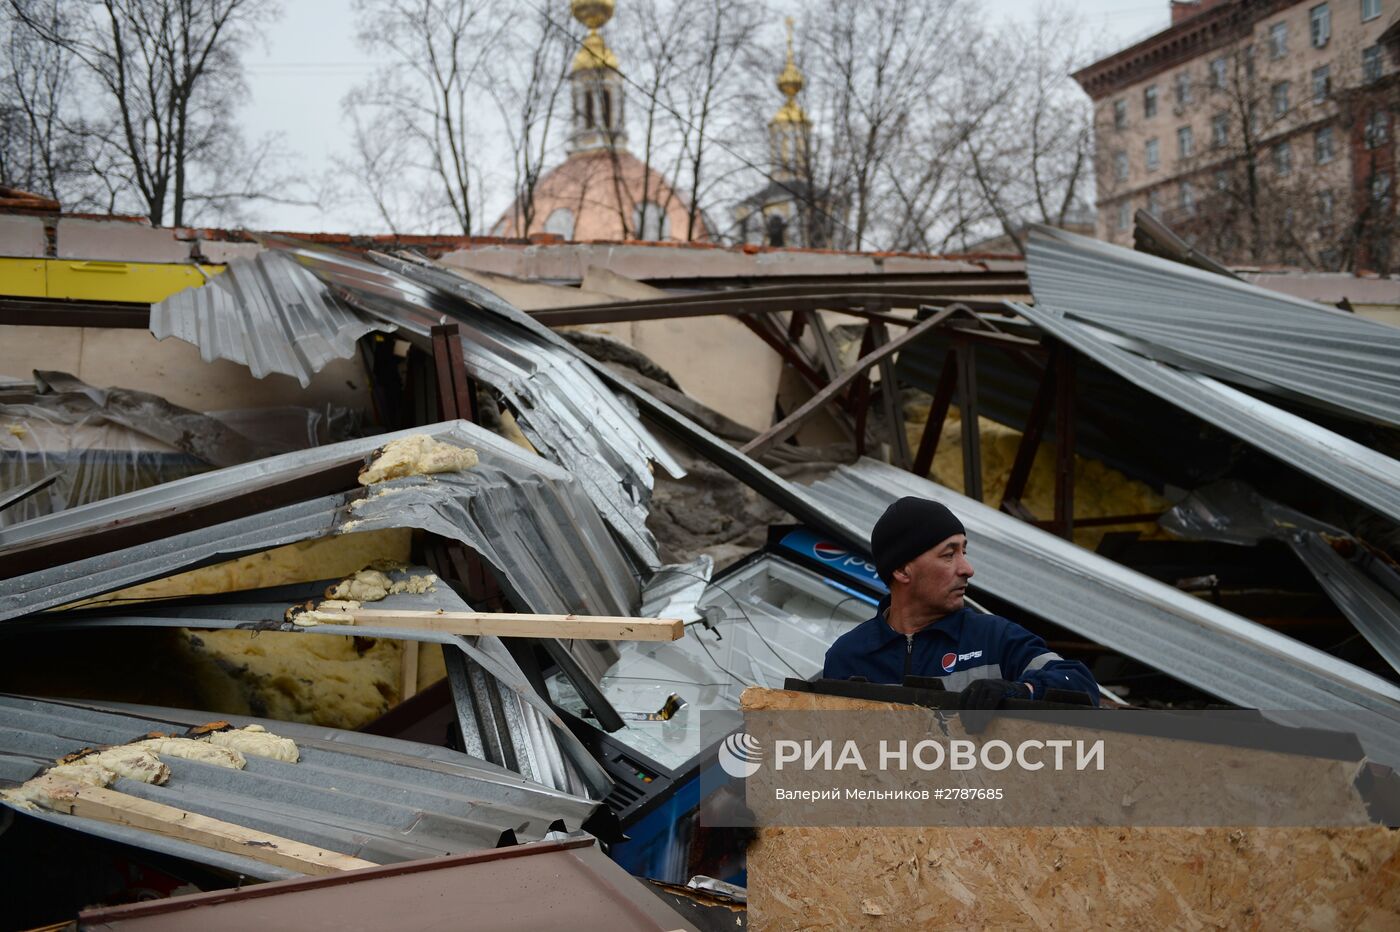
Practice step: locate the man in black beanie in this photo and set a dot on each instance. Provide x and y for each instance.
(924, 629)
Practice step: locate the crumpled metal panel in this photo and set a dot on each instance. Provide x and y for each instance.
(267, 313)
(1371, 478)
(1185, 637)
(1220, 326)
(568, 414)
(1365, 588)
(376, 798)
(529, 519)
(560, 404)
(528, 738)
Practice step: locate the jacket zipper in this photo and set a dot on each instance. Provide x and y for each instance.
(908, 654)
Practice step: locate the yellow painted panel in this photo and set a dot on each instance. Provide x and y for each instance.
(142, 282)
(23, 278)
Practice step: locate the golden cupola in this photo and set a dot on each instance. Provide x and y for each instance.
(594, 52)
(598, 97)
(789, 128)
(790, 82)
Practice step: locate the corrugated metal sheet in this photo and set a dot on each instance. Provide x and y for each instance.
(274, 305)
(376, 798)
(503, 721)
(1364, 587)
(1371, 478)
(527, 518)
(1223, 327)
(267, 313)
(1185, 637)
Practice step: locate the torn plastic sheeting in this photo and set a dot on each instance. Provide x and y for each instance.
(1364, 587)
(266, 313)
(560, 404)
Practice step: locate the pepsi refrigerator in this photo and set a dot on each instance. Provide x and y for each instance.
(766, 618)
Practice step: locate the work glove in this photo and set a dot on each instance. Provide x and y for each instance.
(989, 693)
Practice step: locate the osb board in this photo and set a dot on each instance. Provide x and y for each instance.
(1146, 878)
(1160, 878)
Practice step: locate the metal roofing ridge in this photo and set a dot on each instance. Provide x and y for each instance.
(1124, 580)
(1350, 456)
(1040, 233)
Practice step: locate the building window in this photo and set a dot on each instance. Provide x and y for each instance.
(1252, 112)
(1220, 131)
(560, 222)
(1278, 40)
(1321, 83)
(1154, 204)
(1187, 199)
(1319, 25)
(1377, 129)
(1326, 205)
(1380, 190)
(1183, 88)
(1370, 9)
(1120, 114)
(1218, 72)
(1125, 214)
(1120, 166)
(1154, 155)
(1323, 148)
(1279, 94)
(1283, 158)
(650, 222)
(1371, 64)
(1185, 142)
(1149, 100)
(1222, 180)
(1249, 61)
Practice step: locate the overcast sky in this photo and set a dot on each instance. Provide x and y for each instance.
(311, 59)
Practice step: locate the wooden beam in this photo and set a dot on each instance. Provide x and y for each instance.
(409, 670)
(785, 428)
(1064, 441)
(891, 399)
(937, 415)
(971, 428)
(455, 389)
(107, 805)
(583, 627)
(1030, 436)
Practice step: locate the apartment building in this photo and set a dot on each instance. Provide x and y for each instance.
(1261, 129)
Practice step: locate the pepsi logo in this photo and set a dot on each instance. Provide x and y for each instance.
(950, 660)
(828, 552)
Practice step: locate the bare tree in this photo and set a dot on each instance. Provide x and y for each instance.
(39, 150)
(167, 80)
(428, 95)
(1026, 128)
(527, 84)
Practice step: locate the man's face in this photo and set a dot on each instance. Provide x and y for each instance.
(937, 578)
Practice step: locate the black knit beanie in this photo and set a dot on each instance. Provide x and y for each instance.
(908, 528)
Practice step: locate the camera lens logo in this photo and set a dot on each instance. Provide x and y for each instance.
(740, 755)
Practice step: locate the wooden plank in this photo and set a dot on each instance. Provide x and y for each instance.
(1064, 441)
(937, 415)
(409, 669)
(971, 427)
(1030, 436)
(582, 627)
(891, 400)
(788, 425)
(106, 805)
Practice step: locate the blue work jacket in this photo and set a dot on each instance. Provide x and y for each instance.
(964, 646)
